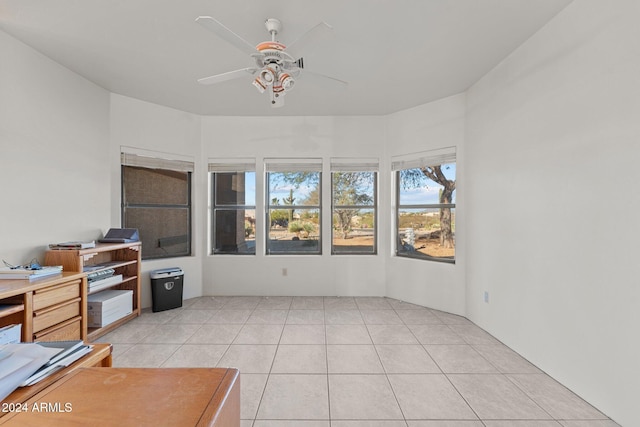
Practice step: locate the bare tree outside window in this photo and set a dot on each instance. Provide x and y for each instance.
(293, 213)
(354, 212)
(426, 212)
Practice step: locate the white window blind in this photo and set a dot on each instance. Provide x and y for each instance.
(232, 165)
(293, 165)
(354, 165)
(131, 159)
(423, 159)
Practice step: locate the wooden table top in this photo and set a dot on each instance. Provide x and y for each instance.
(136, 397)
(13, 287)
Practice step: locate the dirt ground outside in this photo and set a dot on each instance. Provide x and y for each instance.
(430, 247)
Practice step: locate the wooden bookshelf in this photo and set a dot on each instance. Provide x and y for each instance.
(124, 258)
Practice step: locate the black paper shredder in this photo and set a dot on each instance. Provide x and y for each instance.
(166, 288)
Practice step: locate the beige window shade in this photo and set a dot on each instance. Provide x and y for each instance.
(423, 159)
(130, 159)
(293, 165)
(354, 165)
(232, 165)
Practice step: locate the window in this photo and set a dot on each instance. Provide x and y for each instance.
(353, 206)
(156, 199)
(233, 207)
(293, 206)
(425, 214)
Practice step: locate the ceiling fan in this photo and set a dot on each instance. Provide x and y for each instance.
(276, 65)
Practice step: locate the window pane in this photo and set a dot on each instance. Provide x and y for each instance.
(353, 231)
(293, 199)
(233, 212)
(235, 188)
(294, 188)
(164, 232)
(418, 188)
(294, 231)
(427, 233)
(154, 186)
(352, 219)
(157, 202)
(353, 188)
(426, 212)
(234, 231)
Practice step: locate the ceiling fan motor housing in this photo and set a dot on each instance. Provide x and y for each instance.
(274, 26)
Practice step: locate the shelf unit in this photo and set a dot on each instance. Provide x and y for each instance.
(12, 311)
(124, 258)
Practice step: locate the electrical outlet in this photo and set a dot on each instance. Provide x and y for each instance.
(284, 272)
(486, 296)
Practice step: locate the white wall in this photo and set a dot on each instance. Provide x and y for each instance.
(427, 127)
(54, 145)
(318, 137)
(552, 161)
(145, 126)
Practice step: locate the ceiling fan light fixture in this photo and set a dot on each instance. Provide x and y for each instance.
(286, 81)
(267, 76)
(258, 84)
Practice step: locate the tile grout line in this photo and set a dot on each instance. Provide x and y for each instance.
(386, 374)
(255, 416)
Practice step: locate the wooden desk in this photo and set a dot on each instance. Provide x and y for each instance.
(52, 308)
(137, 397)
(100, 355)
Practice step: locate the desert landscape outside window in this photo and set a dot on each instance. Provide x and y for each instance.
(354, 207)
(425, 217)
(293, 206)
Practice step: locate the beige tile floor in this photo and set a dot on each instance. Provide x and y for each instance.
(353, 362)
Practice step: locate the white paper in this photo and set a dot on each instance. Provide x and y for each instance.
(36, 355)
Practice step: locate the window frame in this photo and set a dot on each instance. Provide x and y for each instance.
(130, 160)
(416, 161)
(361, 166)
(293, 165)
(214, 171)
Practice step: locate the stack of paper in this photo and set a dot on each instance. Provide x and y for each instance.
(73, 245)
(26, 364)
(29, 273)
(67, 352)
(18, 362)
(98, 285)
(10, 334)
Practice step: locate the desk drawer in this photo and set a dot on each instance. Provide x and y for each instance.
(45, 318)
(66, 331)
(56, 294)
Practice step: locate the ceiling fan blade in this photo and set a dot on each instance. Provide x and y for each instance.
(217, 28)
(313, 35)
(324, 81)
(218, 78)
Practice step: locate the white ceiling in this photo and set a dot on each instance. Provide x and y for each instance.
(395, 54)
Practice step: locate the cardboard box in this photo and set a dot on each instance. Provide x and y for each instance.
(108, 306)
